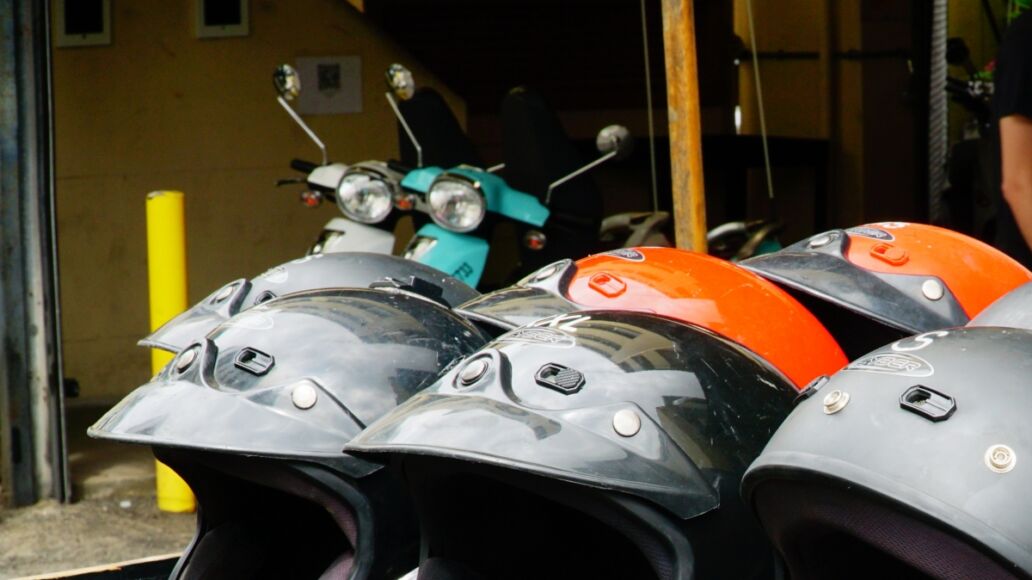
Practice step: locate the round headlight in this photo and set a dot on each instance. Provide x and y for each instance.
(364, 198)
(456, 205)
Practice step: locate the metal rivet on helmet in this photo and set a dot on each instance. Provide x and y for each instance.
(1000, 458)
(547, 271)
(932, 289)
(225, 293)
(304, 394)
(820, 241)
(186, 358)
(473, 371)
(626, 422)
(835, 401)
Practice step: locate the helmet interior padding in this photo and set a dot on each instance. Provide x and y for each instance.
(855, 333)
(482, 522)
(825, 531)
(261, 519)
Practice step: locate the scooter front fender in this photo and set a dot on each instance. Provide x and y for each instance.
(343, 235)
(462, 256)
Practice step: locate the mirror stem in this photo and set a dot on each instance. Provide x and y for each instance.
(589, 166)
(311, 134)
(408, 130)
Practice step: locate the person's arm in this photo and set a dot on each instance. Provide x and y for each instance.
(1016, 153)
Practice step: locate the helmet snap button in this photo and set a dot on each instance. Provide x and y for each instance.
(1000, 458)
(472, 372)
(304, 395)
(932, 289)
(835, 401)
(626, 422)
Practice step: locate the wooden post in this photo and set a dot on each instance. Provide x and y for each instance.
(682, 78)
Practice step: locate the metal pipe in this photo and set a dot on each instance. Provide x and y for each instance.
(562, 180)
(311, 134)
(685, 119)
(408, 130)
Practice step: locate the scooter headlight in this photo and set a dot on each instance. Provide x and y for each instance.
(456, 204)
(364, 197)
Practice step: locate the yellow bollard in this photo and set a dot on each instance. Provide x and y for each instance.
(166, 278)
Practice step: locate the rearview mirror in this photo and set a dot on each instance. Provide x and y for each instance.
(287, 82)
(400, 81)
(615, 140)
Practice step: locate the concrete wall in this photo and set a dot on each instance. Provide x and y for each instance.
(161, 109)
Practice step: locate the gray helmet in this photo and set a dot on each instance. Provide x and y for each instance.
(255, 417)
(911, 462)
(538, 295)
(596, 444)
(336, 270)
(876, 283)
(1013, 310)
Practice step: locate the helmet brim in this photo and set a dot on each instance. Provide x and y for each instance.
(515, 306)
(574, 445)
(194, 324)
(834, 280)
(184, 330)
(180, 414)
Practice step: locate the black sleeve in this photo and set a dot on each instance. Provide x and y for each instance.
(1014, 70)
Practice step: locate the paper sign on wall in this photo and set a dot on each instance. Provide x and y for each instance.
(330, 85)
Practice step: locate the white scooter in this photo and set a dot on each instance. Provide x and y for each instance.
(367, 193)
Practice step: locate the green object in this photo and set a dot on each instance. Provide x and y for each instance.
(1016, 8)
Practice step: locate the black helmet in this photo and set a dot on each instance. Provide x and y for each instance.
(1013, 310)
(335, 270)
(913, 462)
(255, 417)
(599, 444)
(876, 283)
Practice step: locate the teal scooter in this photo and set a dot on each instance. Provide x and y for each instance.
(467, 203)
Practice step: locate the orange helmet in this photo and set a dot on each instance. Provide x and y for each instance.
(905, 277)
(695, 288)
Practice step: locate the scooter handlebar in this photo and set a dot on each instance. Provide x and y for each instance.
(303, 166)
(398, 166)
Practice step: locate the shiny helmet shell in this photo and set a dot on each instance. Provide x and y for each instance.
(878, 282)
(255, 416)
(911, 462)
(336, 270)
(591, 434)
(1012, 310)
(686, 286)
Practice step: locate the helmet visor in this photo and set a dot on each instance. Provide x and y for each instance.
(895, 300)
(337, 270)
(196, 322)
(611, 400)
(572, 446)
(539, 295)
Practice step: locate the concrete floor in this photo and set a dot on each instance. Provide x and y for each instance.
(113, 518)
